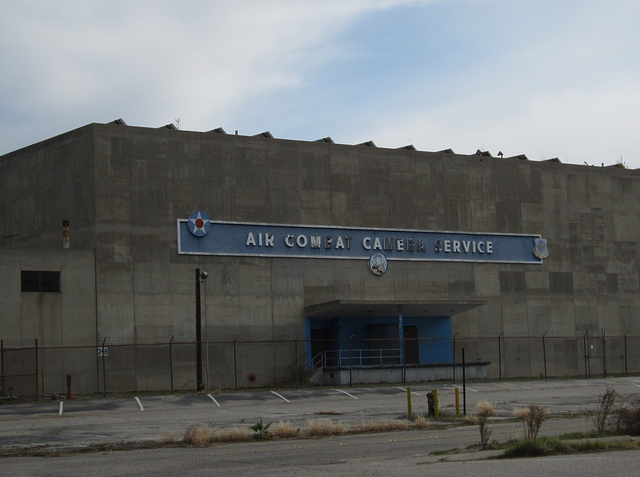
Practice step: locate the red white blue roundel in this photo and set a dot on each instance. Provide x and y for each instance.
(198, 223)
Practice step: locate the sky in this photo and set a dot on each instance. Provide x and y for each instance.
(543, 78)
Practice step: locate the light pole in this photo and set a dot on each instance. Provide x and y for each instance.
(200, 276)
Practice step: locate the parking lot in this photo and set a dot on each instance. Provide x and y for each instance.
(83, 422)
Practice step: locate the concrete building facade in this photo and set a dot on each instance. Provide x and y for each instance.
(393, 253)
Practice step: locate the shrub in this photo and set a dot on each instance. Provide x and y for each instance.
(628, 419)
(604, 413)
(532, 418)
(536, 448)
(296, 375)
(485, 410)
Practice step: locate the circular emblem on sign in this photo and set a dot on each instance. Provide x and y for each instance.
(540, 250)
(378, 263)
(198, 223)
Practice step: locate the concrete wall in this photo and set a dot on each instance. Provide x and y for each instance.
(123, 188)
(60, 319)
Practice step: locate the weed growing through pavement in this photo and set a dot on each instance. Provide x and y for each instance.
(484, 411)
(382, 426)
(324, 427)
(260, 430)
(284, 430)
(197, 435)
(421, 421)
(532, 418)
(602, 419)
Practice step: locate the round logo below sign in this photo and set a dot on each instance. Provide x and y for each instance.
(378, 263)
(540, 250)
(198, 223)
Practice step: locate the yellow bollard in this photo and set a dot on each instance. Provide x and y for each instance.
(436, 407)
(409, 402)
(457, 402)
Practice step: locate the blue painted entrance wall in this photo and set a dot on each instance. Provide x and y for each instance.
(434, 334)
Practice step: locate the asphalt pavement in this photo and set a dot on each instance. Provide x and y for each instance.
(143, 418)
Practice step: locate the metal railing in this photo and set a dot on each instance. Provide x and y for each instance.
(357, 357)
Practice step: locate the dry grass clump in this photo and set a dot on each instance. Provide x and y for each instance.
(197, 435)
(324, 427)
(532, 418)
(484, 411)
(284, 430)
(421, 421)
(233, 434)
(200, 436)
(382, 426)
(169, 437)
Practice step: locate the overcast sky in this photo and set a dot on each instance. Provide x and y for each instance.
(557, 78)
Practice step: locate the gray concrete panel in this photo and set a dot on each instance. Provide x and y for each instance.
(123, 188)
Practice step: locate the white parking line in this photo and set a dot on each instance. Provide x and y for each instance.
(405, 390)
(281, 396)
(139, 403)
(345, 392)
(213, 399)
(60, 410)
(468, 388)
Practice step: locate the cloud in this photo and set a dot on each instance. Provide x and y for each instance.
(544, 78)
(539, 90)
(74, 62)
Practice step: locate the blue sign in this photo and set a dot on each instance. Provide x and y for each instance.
(198, 235)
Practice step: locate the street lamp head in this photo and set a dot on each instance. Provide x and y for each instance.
(204, 275)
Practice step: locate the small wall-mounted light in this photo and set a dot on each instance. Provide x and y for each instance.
(66, 240)
(203, 275)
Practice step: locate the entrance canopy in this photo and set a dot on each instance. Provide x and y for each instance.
(385, 308)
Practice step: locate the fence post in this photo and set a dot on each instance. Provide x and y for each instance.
(604, 354)
(464, 385)
(36, 348)
(544, 355)
(350, 360)
(2, 365)
(235, 363)
(171, 361)
(625, 356)
(104, 370)
(403, 358)
(500, 357)
(586, 354)
(454, 357)
(295, 363)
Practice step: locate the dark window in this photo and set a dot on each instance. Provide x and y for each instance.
(40, 281)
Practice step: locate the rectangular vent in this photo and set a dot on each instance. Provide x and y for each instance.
(40, 281)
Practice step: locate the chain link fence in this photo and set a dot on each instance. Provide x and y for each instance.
(39, 372)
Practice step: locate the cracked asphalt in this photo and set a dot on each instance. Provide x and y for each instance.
(144, 418)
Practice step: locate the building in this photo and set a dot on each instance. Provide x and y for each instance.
(146, 259)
